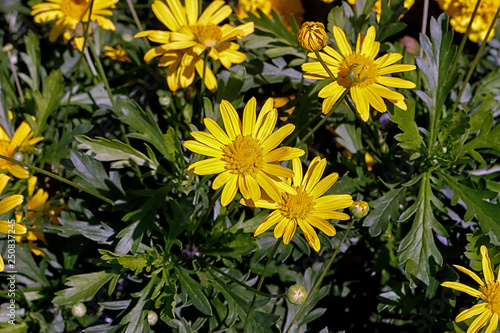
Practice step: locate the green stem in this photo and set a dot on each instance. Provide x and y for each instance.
(110, 94)
(320, 279)
(424, 22)
(318, 55)
(258, 292)
(16, 78)
(59, 178)
(476, 60)
(322, 121)
(137, 22)
(464, 40)
(261, 281)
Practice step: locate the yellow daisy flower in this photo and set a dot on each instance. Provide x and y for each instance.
(20, 142)
(460, 12)
(306, 208)
(244, 155)
(283, 8)
(191, 35)
(489, 310)
(118, 53)
(359, 72)
(70, 13)
(35, 202)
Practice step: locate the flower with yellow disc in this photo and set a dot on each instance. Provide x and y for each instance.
(190, 35)
(21, 142)
(487, 312)
(244, 155)
(70, 14)
(359, 72)
(306, 208)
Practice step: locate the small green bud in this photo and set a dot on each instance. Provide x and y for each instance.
(359, 209)
(152, 318)
(296, 294)
(79, 310)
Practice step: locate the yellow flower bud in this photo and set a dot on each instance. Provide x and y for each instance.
(359, 209)
(296, 294)
(312, 36)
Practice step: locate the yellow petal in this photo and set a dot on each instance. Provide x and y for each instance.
(480, 321)
(486, 263)
(322, 225)
(310, 235)
(396, 69)
(8, 228)
(374, 99)
(192, 11)
(266, 108)
(200, 148)
(470, 273)
(165, 15)
(10, 202)
(229, 191)
(222, 179)
(253, 188)
(462, 287)
(216, 131)
(473, 311)
(269, 187)
(4, 179)
(324, 185)
(297, 171)
(493, 324)
(314, 173)
(231, 120)
(289, 231)
(269, 221)
(268, 125)
(395, 82)
(277, 170)
(361, 102)
(249, 115)
(274, 139)
(341, 41)
(38, 200)
(207, 138)
(209, 166)
(178, 11)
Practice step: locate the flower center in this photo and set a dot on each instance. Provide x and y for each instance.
(209, 35)
(75, 9)
(491, 295)
(244, 156)
(298, 205)
(357, 70)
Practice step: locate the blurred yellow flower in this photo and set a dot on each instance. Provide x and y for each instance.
(489, 310)
(7, 204)
(305, 208)
(282, 7)
(118, 53)
(377, 7)
(359, 72)
(244, 155)
(312, 36)
(460, 12)
(189, 36)
(70, 14)
(37, 207)
(13, 148)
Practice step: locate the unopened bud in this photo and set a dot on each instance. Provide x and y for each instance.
(79, 310)
(312, 36)
(296, 294)
(152, 318)
(359, 209)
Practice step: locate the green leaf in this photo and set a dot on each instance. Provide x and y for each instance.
(141, 220)
(83, 287)
(410, 138)
(453, 128)
(383, 210)
(389, 23)
(98, 233)
(174, 148)
(272, 27)
(418, 246)
(143, 122)
(231, 245)
(94, 177)
(49, 102)
(350, 137)
(487, 138)
(32, 59)
(136, 318)
(114, 150)
(194, 291)
(487, 213)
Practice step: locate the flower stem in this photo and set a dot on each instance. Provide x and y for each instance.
(464, 39)
(424, 22)
(258, 292)
(137, 22)
(16, 78)
(318, 55)
(320, 279)
(261, 281)
(476, 60)
(59, 178)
